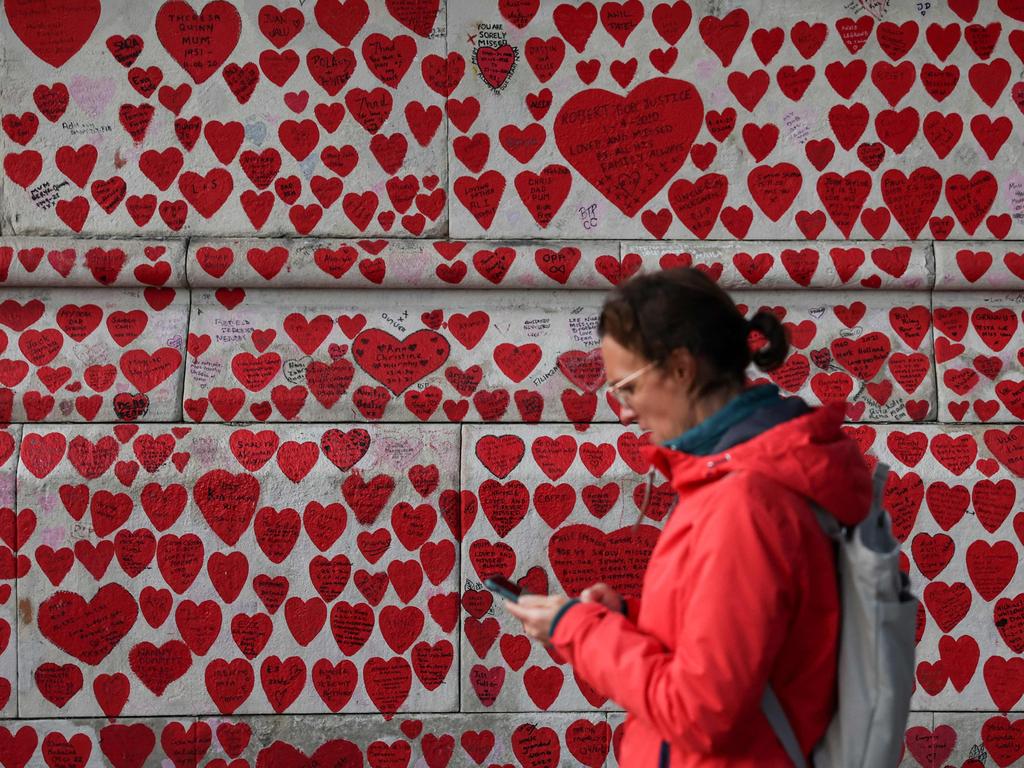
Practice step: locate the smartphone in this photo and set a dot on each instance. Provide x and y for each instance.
(507, 589)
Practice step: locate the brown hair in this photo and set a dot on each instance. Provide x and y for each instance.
(653, 314)
(656, 313)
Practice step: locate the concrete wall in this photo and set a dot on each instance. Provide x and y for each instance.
(297, 325)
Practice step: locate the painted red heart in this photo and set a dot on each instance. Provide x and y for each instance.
(911, 199)
(202, 42)
(399, 363)
(227, 502)
(367, 497)
(282, 681)
(335, 682)
(971, 198)
(724, 35)
(931, 748)
(632, 183)
(127, 746)
(387, 683)
(774, 188)
(416, 15)
(55, 30)
(1004, 679)
(697, 203)
(577, 554)
(88, 630)
(991, 567)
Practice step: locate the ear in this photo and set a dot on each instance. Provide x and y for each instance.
(682, 366)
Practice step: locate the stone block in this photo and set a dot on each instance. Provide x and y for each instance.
(225, 120)
(552, 509)
(73, 262)
(92, 354)
(690, 122)
(979, 266)
(319, 355)
(456, 740)
(871, 348)
(975, 739)
(951, 494)
(918, 733)
(781, 265)
(298, 568)
(136, 742)
(315, 263)
(979, 356)
(13, 528)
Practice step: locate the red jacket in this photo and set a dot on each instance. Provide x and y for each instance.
(740, 590)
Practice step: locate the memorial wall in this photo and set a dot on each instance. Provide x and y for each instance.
(298, 343)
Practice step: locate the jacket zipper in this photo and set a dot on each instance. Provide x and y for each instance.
(664, 756)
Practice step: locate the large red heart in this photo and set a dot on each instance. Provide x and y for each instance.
(88, 630)
(931, 747)
(387, 683)
(159, 666)
(228, 502)
(201, 42)
(417, 15)
(398, 364)
(629, 147)
(127, 745)
(582, 555)
(54, 30)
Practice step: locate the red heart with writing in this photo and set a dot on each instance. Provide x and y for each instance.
(54, 31)
(202, 42)
(88, 630)
(578, 555)
(398, 364)
(674, 104)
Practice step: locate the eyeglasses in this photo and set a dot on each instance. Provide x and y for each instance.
(615, 390)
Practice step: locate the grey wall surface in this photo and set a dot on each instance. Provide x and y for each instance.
(298, 330)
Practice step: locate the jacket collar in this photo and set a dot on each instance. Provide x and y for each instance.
(686, 469)
(703, 439)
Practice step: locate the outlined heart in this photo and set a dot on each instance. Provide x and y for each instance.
(399, 363)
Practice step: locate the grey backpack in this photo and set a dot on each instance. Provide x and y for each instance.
(876, 648)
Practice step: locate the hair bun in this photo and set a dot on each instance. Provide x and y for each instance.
(774, 352)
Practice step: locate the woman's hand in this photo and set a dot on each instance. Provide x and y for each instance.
(536, 612)
(603, 594)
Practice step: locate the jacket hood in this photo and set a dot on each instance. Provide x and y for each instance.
(809, 454)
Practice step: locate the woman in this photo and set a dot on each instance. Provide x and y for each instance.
(740, 591)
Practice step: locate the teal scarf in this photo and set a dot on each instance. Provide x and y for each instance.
(702, 439)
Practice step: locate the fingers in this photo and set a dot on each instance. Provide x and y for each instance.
(515, 609)
(528, 616)
(596, 591)
(601, 593)
(536, 613)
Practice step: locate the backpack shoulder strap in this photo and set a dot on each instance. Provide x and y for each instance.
(770, 704)
(772, 708)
